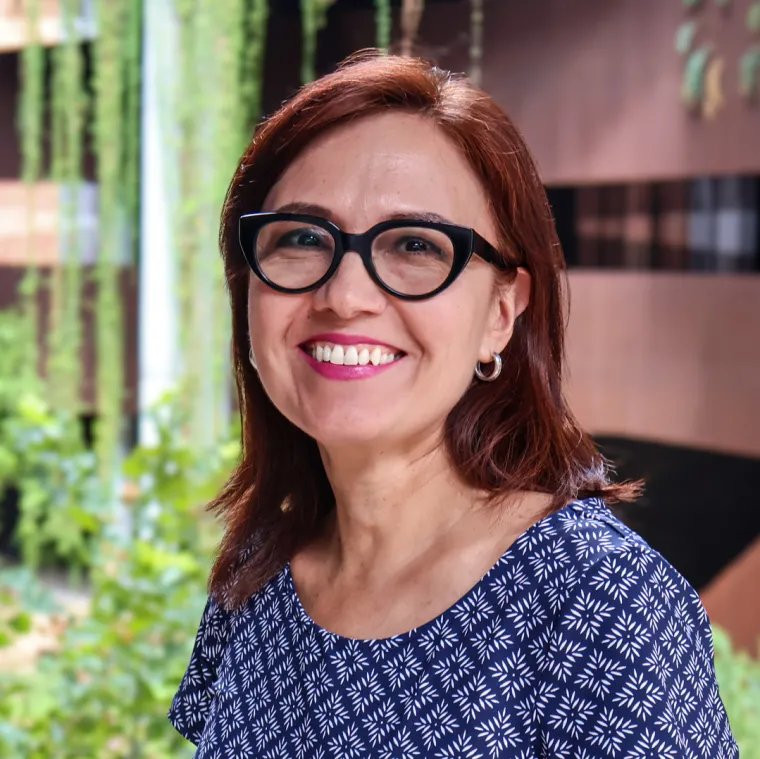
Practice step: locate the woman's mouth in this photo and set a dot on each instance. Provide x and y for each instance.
(354, 361)
(351, 355)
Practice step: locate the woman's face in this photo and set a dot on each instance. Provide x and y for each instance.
(356, 176)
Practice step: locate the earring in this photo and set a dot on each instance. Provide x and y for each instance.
(252, 359)
(495, 372)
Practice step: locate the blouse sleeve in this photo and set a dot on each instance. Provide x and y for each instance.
(629, 668)
(191, 704)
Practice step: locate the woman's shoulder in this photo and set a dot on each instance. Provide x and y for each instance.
(629, 640)
(578, 536)
(585, 550)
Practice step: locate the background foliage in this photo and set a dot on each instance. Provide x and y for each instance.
(106, 691)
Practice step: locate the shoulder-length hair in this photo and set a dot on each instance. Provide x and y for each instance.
(513, 434)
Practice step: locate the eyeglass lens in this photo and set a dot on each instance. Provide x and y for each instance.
(410, 260)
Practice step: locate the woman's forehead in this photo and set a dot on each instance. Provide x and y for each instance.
(382, 165)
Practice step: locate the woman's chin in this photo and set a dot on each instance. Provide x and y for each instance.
(356, 436)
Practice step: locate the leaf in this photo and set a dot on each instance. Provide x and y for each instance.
(753, 17)
(21, 623)
(685, 36)
(693, 84)
(749, 72)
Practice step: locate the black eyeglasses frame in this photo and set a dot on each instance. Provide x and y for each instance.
(466, 242)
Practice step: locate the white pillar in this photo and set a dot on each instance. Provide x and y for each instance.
(158, 352)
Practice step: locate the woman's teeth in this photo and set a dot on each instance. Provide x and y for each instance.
(352, 355)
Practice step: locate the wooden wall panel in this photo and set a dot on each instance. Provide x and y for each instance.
(733, 600)
(16, 202)
(667, 357)
(14, 27)
(595, 85)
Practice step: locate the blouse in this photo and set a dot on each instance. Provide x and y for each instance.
(581, 642)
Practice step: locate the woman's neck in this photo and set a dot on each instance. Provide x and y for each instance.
(393, 509)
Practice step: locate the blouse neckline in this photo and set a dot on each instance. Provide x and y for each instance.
(439, 619)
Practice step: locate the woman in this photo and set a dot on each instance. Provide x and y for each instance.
(418, 558)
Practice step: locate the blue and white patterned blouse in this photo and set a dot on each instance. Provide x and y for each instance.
(582, 642)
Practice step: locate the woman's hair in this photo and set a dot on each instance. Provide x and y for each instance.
(516, 433)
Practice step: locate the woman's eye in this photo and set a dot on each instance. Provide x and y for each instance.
(301, 239)
(419, 246)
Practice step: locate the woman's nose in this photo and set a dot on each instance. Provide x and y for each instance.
(350, 291)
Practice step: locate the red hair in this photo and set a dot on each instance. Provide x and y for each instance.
(516, 433)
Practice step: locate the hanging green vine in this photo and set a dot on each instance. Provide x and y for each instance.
(221, 57)
(114, 22)
(383, 23)
(115, 132)
(252, 52)
(189, 215)
(29, 124)
(132, 74)
(68, 115)
(220, 140)
(313, 20)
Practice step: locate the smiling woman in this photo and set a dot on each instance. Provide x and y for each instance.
(418, 558)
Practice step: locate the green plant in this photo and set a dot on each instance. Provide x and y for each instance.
(749, 72)
(753, 17)
(112, 83)
(693, 85)
(68, 112)
(16, 377)
(313, 20)
(114, 121)
(61, 503)
(29, 126)
(739, 681)
(383, 23)
(749, 64)
(685, 36)
(106, 692)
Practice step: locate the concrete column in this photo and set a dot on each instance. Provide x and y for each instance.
(159, 353)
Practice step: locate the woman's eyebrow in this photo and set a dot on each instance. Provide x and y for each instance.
(418, 216)
(312, 209)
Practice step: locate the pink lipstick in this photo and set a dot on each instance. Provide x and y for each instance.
(339, 372)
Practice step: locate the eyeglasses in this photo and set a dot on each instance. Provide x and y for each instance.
(409, 258)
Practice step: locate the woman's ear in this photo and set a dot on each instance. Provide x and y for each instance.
(510, 300)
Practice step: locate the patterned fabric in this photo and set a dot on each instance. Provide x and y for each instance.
(582, 642)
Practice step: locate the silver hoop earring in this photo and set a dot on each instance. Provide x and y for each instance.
(495, 372)
(252, 359)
